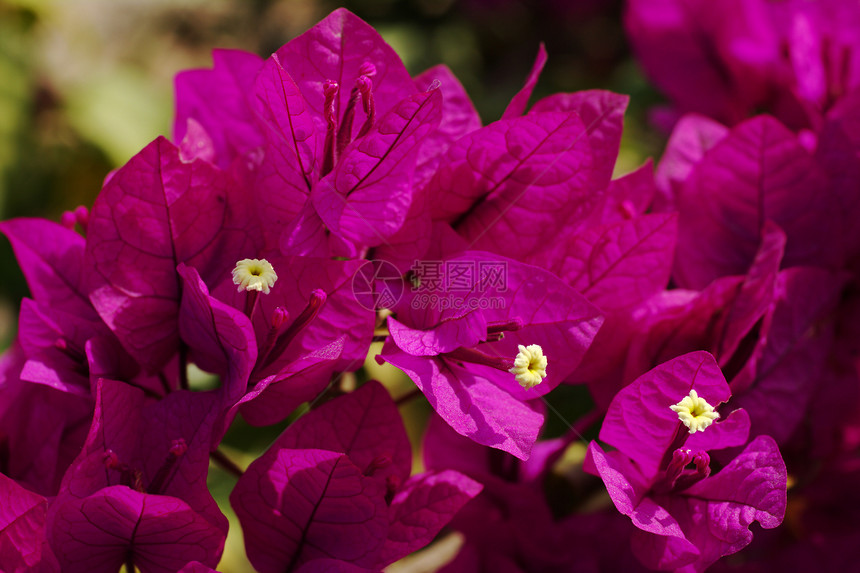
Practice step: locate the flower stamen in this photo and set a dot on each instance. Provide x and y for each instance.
(529, 366)
(254, 274)
(695, 412)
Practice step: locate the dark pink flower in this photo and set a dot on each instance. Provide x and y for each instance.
(661, 425)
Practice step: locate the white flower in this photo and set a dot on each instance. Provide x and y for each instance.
(254, 274)
(695, 412)
(529, 366)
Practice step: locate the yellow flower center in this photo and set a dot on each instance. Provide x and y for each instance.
(529, 366)
(254, 274)
(695, 412)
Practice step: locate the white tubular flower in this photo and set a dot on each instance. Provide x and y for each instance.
(529, 366)
(254, 274)
(695, 412)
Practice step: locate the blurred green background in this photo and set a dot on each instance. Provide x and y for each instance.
(85, 84)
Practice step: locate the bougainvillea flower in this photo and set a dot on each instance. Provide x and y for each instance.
(297, 331)
(336, 485)
(135, 494)
(770, 330)
(459, 347)
(687, 517)
(320, 154)
(332, 118)
(155, 212)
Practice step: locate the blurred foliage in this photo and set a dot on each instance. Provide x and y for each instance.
(84, 85)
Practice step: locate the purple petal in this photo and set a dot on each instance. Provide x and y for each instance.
(280, 192)
(197, 567)
(602, 114)
(520, 101)
(691, 52)
(451, 333)
(692, 137)
(755, 294)
(365, 425)
(411, 242)
(626, 485)
(283, 179)
(758, 172)
(47, 363)
(524, 178)
(778, 380)
(305, 235)
(299, 505)
(663, 552)
(443, 448)
(458, 118)
(630, 195)
(336, 49)
(837, 152)
(424, 505)
(499, 156)
(367, 196)
(302, 380)
(617, 267)
(220, 337)
(218, 100)
(197, 144)
(751, 488)
(160, 534)
(290, 125)
(472, 404)
(664, 541)
(675, 322)
(44, 429)
(52, 260)
(22, 527)
(141, 435)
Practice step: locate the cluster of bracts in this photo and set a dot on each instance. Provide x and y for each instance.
(710, 306)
